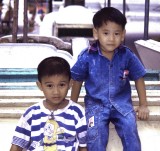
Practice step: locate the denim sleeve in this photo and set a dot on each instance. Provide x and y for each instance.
(135, 66)
(79, 71)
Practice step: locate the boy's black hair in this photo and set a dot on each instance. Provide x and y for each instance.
(53, 66)
(109, 14)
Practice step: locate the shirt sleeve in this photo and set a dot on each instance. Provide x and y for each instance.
(22, 132)
(80, 69)
(136, 68)
(81, 127)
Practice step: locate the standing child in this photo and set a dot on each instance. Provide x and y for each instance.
(106, 68)
(55, 124)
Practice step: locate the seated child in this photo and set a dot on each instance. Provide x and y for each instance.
(56, 123)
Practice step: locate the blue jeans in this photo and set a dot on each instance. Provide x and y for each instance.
(98, 119)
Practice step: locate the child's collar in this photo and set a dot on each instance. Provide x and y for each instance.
(94, 47)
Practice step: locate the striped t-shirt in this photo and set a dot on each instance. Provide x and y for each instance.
(62, 130)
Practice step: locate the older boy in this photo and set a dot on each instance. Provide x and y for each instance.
(106, 68)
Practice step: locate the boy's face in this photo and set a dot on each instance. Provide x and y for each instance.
(55, 88)
(110, 36)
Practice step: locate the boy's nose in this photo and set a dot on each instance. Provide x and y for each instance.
(55, 90)
(111, 37)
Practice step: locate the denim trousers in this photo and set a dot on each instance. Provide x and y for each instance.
(98, 119)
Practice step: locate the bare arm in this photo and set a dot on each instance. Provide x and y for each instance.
(15, 148)
(82, 148)
(142, 110)
(76, 87)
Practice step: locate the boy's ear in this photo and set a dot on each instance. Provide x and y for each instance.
(124, 34)
(70, 83)
(95, 35)
(39, 85)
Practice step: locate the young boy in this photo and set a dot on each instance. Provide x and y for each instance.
(55, 124)
(106, 68)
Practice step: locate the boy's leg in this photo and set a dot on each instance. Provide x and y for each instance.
(126, 128)
(97, 133)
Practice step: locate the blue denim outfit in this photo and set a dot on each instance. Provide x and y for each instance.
(108, 95)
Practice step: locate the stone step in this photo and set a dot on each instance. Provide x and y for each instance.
(150, 85)
(32, 85)
(152, 101)
(14, 102)
(14, 108)
(26, 102)
(11, 112)
(7, 94)
(16, 112)
(18, 102)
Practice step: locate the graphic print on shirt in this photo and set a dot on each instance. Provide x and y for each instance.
(91, 122)
(125, 74)
(51, 135)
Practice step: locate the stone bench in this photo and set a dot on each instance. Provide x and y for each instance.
(149, 50)
(14, 102)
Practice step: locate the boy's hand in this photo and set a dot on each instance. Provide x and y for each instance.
(142, 112)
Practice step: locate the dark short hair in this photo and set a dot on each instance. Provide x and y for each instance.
(53, 66)
(109, 14)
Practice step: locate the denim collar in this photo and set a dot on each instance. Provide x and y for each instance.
(95, 47)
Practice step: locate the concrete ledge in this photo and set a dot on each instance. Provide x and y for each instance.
(11, 113)
(14, 102)
(16, 112)
(149, 132)
(15, 108)
(6, 94)
(25, 102)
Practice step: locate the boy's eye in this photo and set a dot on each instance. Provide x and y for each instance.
(49, 85)
(106, 33)
(117, 34)
(62, 84)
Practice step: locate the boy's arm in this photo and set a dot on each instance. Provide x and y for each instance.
(82, 148)
(142, 110)
(15, 148)
(76, 87)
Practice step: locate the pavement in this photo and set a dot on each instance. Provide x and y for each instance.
(149, 133)
(7, 127)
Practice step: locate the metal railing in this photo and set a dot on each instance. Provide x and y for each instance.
(146, 16)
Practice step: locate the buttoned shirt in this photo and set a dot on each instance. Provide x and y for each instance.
(108, 81)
